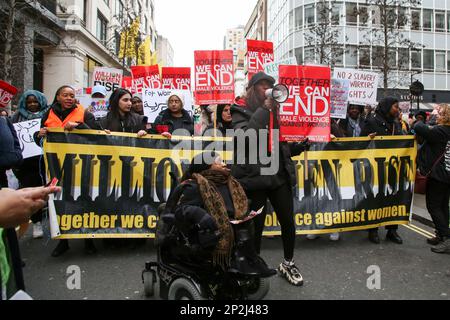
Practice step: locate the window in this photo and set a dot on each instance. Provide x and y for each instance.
(101, 27)
(428, 60)
(299, 55)
(363, 15)
(402, 17)
(322, 12)
(440, 21)
(291, 21)
(351, 55)
(391, 15)
(427, 19)
(351, 12)
(120, 12)
(309, 15)
(392, 56)
(376, 17)
(403, 59)
(89, 66)
(336, 13)
(299, 18)
(440, 61)
(364, 57)
(377, 56)
(339, 57)
(85, 10)
(416, 59)
(415, 19)
(309, 55)
(448, 61)
(117, 38)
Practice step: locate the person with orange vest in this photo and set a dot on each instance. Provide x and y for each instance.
(66, 113)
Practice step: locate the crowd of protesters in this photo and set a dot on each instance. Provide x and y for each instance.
(251, 111)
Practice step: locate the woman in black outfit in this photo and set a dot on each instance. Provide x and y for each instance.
(253, 113)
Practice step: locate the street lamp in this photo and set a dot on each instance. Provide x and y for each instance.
(416, 89)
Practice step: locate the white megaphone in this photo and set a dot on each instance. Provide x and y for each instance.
(279, 93)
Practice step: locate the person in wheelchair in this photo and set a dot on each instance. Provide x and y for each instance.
(207, 199)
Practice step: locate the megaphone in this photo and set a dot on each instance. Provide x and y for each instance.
(279, 93)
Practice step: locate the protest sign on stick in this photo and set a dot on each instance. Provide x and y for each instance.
(363, 85)
(306, 113)
(25, 131)
(272, 68)
(146, 77)
(7, 92)
(110, 78)
(214, 77)
(339, 98)
(259, 53)
(155, 101)
(176, 78)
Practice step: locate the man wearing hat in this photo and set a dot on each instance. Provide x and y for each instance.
(253, 112)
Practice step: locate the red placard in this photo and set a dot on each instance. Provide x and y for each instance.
(306, 113)
(259, 53)
(214, 77)
(7, 92)
(146, 77)
(176, 78)
(127, 83)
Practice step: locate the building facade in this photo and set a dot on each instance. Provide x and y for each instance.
(427, 25)
(234, 40)
(92, 37)
(256, 27)
(165, 53)
(35, 29)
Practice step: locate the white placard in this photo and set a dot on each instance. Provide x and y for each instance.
(272, 68)
(98, 107)
(363, 85)
(25, 131)
(339, 98)
(155, 101)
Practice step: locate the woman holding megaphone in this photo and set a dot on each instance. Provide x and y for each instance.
(253, 113)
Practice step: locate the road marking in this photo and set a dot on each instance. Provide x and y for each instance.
(419, 232)
(422, 230)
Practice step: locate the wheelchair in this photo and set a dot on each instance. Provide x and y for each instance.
(185, 271)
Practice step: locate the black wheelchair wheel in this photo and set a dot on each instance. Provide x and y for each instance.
(258, 289)
(183, 289)
(149, 283)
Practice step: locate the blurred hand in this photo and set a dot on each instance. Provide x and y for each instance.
(17, 207)
(270, 104)
(71, 126)
(107, 131)
(372, 135)
(42, 132)
(142, 133)
(166, 135)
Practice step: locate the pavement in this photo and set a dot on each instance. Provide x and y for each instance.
(332, 270)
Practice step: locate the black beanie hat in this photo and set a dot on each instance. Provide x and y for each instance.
(259, 77)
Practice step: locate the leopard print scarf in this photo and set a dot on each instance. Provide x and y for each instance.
(215, 205)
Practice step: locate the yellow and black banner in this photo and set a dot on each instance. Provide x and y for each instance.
(113, 184)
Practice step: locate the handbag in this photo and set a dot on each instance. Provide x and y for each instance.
(421, 179)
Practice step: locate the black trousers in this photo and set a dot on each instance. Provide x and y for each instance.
(437, 198)
(282, 203)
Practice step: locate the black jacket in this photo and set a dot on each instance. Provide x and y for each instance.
(131, 123)
(347, 129)
(378, 123)
(249, 175)
(165, 118)
(437, 145)
(10, 151)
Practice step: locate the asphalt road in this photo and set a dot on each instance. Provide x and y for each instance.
(332, 270)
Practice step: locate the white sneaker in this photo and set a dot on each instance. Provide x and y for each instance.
(37, 230)
(334, 236)
(312, 236)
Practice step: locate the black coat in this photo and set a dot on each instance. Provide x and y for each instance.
(165, 118)
(249, 175)
(437, 145)
(347, 129)
(131, 123)
(378, 123)
(10, 151)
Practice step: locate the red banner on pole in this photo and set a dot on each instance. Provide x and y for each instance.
(7, 92)
(176, 78)
(214, 77)
(259, 53)
(306, 114)
(146, 77)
